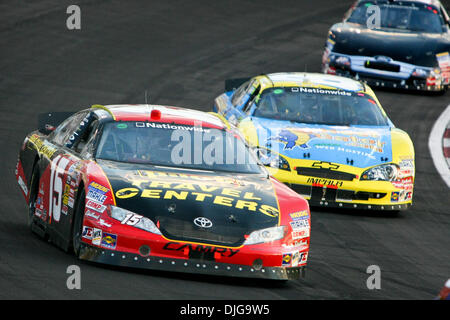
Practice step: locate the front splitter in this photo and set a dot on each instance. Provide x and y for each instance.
(125, 259)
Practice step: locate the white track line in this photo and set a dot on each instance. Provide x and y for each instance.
(436, 147)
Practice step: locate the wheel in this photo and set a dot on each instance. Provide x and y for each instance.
(77, 229)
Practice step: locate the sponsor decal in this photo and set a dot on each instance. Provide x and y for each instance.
(287, 259)
(95, 206)
(338, 140)
(300, 233)
(104, 223)
(38, 212)
(96, 196)
(303, 257)
(70, 202)
(66, 194)
(299, 224)
(96, 236)
(328, 47)
(109, 240)
(223, 252)
(298, 245)
(96, 187)
(22, 185)
(42, 147)
(229, 197)
(92, 215)
(304, 214)
(406, 163)
(443, 59)
(87, 233)
(395, 196)
(325, 182)
(295, 259)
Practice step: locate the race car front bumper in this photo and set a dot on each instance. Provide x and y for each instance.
(319, 196)
(195, 266)
(389, 74)
(374, 80)
(350, 193)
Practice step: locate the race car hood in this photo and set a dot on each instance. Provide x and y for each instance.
(233, 204)
(359, 146)
(414, 48)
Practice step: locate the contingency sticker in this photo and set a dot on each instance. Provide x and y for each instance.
(443, 59)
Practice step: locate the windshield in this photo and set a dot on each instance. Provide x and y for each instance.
(181, 146)
(319, 106)
(414, 17)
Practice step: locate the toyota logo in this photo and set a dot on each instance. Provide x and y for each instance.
(203, 222)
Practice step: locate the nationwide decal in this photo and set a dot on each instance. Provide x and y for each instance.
(324, 91)
(171, 126)
(223, 252)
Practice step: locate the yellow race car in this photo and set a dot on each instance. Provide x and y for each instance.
(325, 136)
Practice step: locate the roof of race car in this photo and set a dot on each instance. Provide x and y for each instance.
(429, 2)
(314, 80)
(143, 112)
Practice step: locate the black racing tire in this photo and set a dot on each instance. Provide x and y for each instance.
(34, 191)
(77, 224)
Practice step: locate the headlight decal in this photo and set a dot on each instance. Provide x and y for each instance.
(384, 172)
(272, 159)
(266, 235)
(132, 219)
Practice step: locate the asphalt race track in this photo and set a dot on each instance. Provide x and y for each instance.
(181, 52)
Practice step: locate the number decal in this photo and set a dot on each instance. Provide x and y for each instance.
(131, 219)
(57, 169)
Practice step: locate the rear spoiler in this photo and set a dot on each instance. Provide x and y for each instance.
(232, 84)
(47, 122)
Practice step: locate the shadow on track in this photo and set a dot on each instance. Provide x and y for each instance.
(192, 277)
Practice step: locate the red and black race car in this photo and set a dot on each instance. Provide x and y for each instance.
(161, 188)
